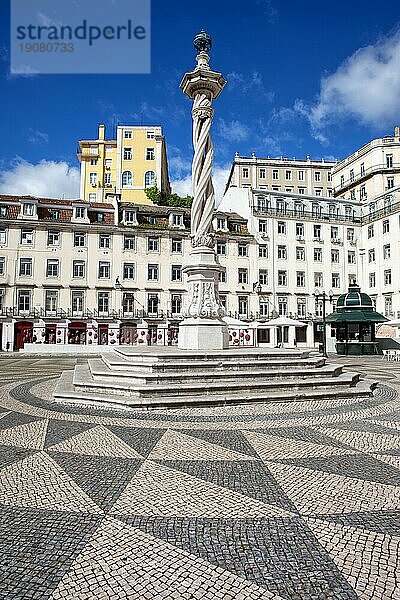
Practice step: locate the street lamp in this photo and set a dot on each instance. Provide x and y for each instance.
(323, 297)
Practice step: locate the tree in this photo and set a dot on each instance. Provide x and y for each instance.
(163, 199)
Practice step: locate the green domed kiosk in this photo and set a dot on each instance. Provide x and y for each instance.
(354, 320)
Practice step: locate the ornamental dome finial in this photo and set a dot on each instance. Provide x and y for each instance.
(202, 42)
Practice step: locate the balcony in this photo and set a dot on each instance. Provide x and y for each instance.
(292, 214)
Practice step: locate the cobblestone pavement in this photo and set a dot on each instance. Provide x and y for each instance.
(295, 501)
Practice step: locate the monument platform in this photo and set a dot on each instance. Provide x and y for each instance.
(154, 377)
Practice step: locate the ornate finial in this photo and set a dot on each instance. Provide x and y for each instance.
(202, 42)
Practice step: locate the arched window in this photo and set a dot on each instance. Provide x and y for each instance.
(149, 179)
(126, 179)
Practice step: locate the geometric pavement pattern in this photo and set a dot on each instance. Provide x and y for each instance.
(291, 501)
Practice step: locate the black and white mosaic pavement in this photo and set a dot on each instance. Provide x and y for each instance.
(293, 501)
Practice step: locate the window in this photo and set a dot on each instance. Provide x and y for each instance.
(350, 234)
(275, 174)
(282, 277)
(176, 273)
(52, 267)
(78, 268)
(362, 169)
(2, 265)
(177, 220)
(129, 271)
(128, 302)
(300, 175)
(263, 277)
(300, 279)
(282, 306)
(28, 210)
(318, 192)
(24, 300)
(25, 267)
(27, 237)
(387, 277)
(389, 161)
(352, 194)
(262, 226)
(149, 153)
(302, 190)
(318, 280)
(93, 179)
(242, 276)
(53, 237)
(363, 192)
(127, 179)
(221, 248)
(317, 176)
(300, 230)
(335, 280)
(282, 252)
(329, 176)
(107, 178)
(152, 303)
(263, 251)
(299, 209)
(371, 255)
(335, 256)
(334, 233)
(390, 183)
(262, 173)
(153, 244)
(152, 272)
(129, 242)
(300, 253)
(263, 308)
(351, 175)
(242, 249)
(388, 306)
(80, 212)
(315, 210)
(371, 279)
(288, 175)
(103, 302)
(51, 301)
(77, 302)
(301, 307)
(222, 276)
(386, 251)
(342, 180)
(281, 207)
(104, 240)
(176, 304)
(127, 153)
(370, 232)
(318, 254)
(128, 134)
(282, 227)
(176, 245)
(79, 239)
(104, 270)
(221, 223)
(317, 232)
(351, 257)
(150, 134)
(93, 162)
(91, 197)
(243, 305)
(149, 179)
(385, 226)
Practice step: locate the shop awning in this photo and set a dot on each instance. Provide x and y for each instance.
(356, 316)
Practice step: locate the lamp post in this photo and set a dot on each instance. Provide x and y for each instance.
(324, 298)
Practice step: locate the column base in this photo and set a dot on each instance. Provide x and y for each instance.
(203, 334)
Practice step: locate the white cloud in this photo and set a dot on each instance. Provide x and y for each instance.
(365, 86)
(35, 136)
(233, 131)
(249, 82)
(183, 187)
(46, 179)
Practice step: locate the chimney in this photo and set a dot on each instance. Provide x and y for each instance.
(102, 132)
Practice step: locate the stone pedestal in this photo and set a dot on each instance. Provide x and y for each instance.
(203, 327)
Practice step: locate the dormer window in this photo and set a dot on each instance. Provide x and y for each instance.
(55, 214)
(100, 217)
(130, 216)
(177, 220)
(3, 211)
(221, 223)
(80, 212)
(28, 210)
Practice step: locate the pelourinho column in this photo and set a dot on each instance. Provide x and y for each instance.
(202, 327)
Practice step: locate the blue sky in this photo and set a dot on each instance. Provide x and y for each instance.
(303, 78)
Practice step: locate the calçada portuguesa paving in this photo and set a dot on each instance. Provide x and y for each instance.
(295, 501)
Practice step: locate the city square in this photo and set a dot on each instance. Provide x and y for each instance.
(295, 501)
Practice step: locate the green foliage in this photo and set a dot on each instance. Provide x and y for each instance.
(163, 199)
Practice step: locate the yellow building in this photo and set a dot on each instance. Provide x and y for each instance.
(123, 167)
